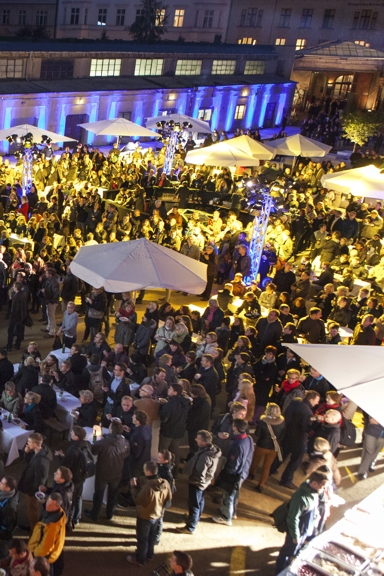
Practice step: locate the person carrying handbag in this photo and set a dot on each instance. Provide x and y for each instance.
(96, 304)
(269, 436)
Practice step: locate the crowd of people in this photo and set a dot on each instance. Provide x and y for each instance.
(155, 380)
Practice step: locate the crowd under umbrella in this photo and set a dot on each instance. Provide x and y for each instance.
(137, 265)
(367, 181)
(27, 139)
(356, 371)
(118, 127)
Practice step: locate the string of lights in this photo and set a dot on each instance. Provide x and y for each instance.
(173, 133)
(28, 150)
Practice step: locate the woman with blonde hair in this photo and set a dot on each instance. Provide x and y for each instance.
(269, 436)
(207, 345)
(49, 365)
(31, 414)
(165, 334)
(183, 337)
(27, 376)
(246, 395)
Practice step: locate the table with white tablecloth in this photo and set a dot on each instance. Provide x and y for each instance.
(13, 438)
(89, 484)
(65, 404)
(60, 355)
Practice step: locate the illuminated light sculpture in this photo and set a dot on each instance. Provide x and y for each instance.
(27, 150)
(261, 212)
(173, 133)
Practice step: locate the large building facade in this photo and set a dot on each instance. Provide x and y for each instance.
(60, 85)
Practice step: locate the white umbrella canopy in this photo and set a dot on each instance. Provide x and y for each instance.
(365, 181)
(221, 154)
(138, 264)
(298, 145)
(252, 147)
(356, 371)
(117, 127)
(37, 133)
(197, 125)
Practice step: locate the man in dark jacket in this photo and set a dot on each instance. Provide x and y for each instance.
(315, 381)
(173, 418)
(69, 289)
(284, 278)
(19, 311)
(9, 500)
(298, 425)
(48, 401)
(301, 288)
(111, 451)
(199, 470)
(269, 331)
(74, 460)
(312, 327)
(140, 442)
(303, 509)
(51, 297)
(117, 387)
(6, 369)
(364, 334)
(208, 377)
(235, 471)
(38, 457)
(350, 227)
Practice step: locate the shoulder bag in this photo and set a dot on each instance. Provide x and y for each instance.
(275, 443)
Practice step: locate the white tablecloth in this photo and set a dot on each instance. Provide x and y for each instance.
(89, 484)
(13, 438)
(65, 404)
(60, 355)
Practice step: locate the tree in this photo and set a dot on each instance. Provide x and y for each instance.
(149, 25)
(361, 125)
(36, 32)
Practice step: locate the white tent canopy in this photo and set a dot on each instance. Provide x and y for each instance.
(138, 264)
(37, 133)
(356, 371)
(365, 181)
(117, 127)
(197, 125)
(298, 145)
(242, 151)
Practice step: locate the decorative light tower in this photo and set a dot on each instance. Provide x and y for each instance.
(173, 133)
(261, 212)
(28, 150)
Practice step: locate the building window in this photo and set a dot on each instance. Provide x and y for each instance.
(280, 42)
(149, 67)
(328, 19)
(285, 17)
(11, 68)
(223, 66)
(247, 41)
(208, 19)
(105, 67)
(102, 17)
(160, 17)
(22, 17)
(178, 19)
(41, 17)
(205, 114)
(306, 18)
(75, 15)
(300, 43)
(120, 17)
(51, 69)
(254, 67)
(251, 17)
(343, 85)
(362, 43)
(188, 67)
(85, 16)
(239, 112)
(6, 16)
(126, 115)
(364, 20)
(280, 68)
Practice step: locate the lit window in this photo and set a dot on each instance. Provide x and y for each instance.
(239, 112)
(11, 68)
(300, 43)
(247, 41)
(6, 16)
(205, 114)
(75, 15)
(208, 19)
(254, 67)
(41, 17)
(120, 17)
(223, 66)
(102, 17)
(280, 42)
(178, 20)
(160, 17)
(149, 67)
(22, 17)
(105, 67)
(188, 68)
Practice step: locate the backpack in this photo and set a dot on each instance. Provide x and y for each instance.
(347, 433)
(280, 515)
(96, 383)
(86, 466)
